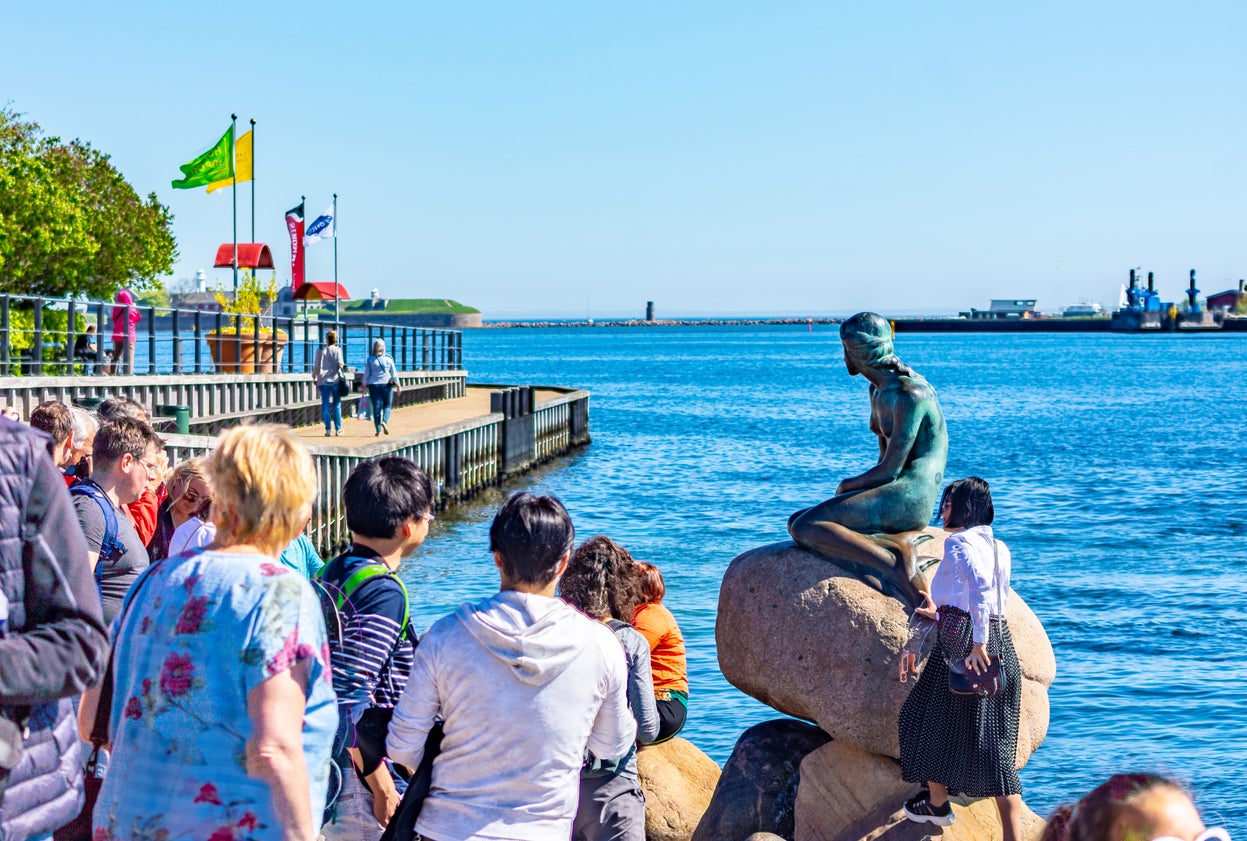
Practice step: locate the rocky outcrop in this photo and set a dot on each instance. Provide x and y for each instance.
(800, 634)
(755, 792)
(678, 781)
(847, 794)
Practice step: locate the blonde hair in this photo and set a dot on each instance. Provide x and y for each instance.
(181, 476)
(264, 483)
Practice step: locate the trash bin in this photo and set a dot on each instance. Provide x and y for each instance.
(89, 403)
(181, 417)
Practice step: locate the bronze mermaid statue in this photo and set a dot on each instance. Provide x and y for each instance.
(874, 521)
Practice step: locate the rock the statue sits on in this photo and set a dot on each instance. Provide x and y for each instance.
(870, 526)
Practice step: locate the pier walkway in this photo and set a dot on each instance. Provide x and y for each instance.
(465, 443)
(409, 420)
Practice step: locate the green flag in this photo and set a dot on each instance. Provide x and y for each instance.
(213, 165)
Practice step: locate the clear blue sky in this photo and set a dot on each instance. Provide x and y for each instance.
(559, 159)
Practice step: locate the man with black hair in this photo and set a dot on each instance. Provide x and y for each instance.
(125, 460)
(523, 683)
(389, 505)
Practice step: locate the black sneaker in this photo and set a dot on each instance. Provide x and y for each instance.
(920, 810)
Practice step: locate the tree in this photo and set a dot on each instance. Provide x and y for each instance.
(70, 224)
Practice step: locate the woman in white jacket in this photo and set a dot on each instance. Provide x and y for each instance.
(965, 743)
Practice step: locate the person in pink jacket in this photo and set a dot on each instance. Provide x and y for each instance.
(125, 315)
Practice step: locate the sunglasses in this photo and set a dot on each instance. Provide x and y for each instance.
(1212, 833)
(192, 497)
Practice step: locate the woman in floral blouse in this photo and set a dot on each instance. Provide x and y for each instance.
(223, 713)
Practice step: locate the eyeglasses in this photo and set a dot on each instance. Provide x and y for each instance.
(1212, 833)
(427, 517)
(152, 469)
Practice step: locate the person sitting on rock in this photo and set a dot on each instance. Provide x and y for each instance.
(603, 582)
(666, 653)
(872, 519)
(965, 743)
(1132, 806)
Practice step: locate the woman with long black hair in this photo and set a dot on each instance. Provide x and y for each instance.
(966, 743)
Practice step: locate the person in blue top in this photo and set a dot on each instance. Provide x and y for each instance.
(389, 505)
(301, 556)
(222, 710)
(381, 379)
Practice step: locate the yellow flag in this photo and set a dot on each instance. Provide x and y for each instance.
(242, 164)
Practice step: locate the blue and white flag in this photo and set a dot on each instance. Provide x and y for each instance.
(322, 227)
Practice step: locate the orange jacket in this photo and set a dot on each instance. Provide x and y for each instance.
(666, 645)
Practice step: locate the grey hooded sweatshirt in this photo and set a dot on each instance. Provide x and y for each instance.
(523, 683)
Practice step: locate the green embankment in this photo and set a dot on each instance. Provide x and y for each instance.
(407, 306)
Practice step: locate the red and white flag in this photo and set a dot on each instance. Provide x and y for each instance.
(294, 224)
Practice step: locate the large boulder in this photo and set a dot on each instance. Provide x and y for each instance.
(847, 794)
(802, 635)
(763, 766)
(678, 781)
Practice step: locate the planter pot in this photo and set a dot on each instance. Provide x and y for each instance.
(236, 353)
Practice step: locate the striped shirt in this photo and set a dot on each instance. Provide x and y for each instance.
(372, 661)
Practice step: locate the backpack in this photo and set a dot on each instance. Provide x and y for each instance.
(333, 598)
(111, 547)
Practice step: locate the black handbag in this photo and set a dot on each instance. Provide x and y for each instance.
(989, 683)
(402, 825)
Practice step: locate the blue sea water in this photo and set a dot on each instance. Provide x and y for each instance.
(1118, 472)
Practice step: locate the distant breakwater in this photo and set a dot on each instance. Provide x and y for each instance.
(1054, 324)
(666, 322)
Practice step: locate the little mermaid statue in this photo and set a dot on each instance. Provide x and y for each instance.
(873, 523)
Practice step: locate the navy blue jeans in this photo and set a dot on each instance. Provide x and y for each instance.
(331, 406)
(382, 397)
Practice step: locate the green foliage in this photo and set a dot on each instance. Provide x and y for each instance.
(55, 332)
(410, 306)
(70, 224)
(157, 297)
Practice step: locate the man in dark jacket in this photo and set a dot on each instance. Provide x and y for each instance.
(52, 643)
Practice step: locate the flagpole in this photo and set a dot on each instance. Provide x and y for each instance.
(253, 180)
(335, 258)
(303, 212)
(233, 133)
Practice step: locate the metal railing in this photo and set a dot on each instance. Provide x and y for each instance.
(169, 340)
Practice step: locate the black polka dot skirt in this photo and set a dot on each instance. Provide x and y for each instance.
(965, 742)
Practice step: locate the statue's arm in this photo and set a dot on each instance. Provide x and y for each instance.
(909, 412)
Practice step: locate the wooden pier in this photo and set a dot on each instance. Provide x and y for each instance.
(466, 437)
(465, 444)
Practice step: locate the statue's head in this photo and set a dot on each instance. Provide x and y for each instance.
(867, 339)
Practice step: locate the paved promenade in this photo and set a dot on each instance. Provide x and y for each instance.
(412, 419)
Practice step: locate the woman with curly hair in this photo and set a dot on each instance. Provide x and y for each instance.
(603, 581)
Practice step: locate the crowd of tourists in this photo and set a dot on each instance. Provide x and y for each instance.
(230, 684)
(176, 660)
